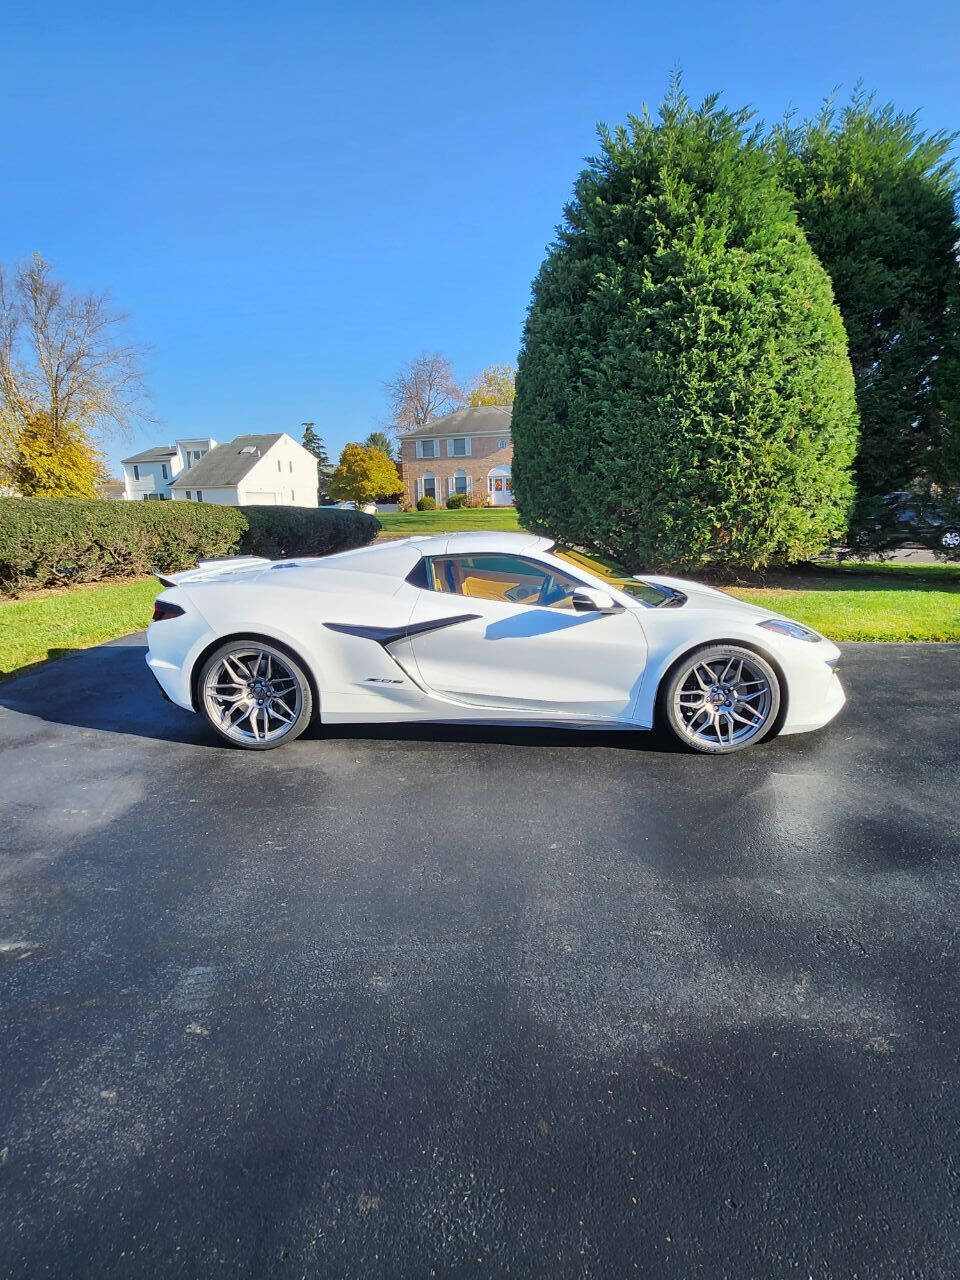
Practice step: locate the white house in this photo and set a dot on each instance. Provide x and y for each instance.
(265, 470)
(252, 470)
(150, 474)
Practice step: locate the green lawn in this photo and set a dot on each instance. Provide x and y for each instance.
(864, 606)
(49, 624)
(499, 519)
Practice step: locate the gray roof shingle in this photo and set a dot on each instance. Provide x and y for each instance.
(227, 464)
(465, 422)
(162, 453)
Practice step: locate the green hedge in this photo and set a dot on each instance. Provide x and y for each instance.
(46, 542)
(305, 531)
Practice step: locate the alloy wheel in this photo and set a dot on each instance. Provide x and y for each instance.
(722, 703)
(253, 695)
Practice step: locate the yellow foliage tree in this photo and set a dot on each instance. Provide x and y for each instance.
(44, 463)
(364, 474)
(493, 386)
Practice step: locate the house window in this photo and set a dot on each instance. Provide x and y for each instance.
(293, 496)
(503, 578)
(459, 481)
(426, 448)
(502, 444)
(163, 470)
(136, 472)
(459, 447)
(428, 485)
(291, 467)
(199, 495)
(189, 496)
(279, 465)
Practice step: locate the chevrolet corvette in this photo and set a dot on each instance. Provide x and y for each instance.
(481, 628)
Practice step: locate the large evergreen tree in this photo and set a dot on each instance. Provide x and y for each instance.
(684, 392)
(313, 443)
(876, 197)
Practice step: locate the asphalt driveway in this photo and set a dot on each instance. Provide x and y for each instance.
(413, 1003)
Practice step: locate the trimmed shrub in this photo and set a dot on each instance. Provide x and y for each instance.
(684, 393)
(47, 542)
(426, 503)
(456, 501)
(305, 531)
(54, 542)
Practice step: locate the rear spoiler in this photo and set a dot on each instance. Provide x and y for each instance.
(213, 568)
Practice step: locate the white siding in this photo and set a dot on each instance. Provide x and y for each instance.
(293, 483)
(151, 478)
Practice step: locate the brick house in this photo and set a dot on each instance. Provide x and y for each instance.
(466, 451)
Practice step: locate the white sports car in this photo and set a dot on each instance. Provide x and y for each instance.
(491, 628)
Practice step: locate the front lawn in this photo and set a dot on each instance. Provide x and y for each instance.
(48, 624)
(863, 608)
(865, 601)
(407, 523)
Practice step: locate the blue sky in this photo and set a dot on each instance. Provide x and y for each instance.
(291, 200)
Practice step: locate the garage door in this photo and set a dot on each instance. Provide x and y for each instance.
(255, 499)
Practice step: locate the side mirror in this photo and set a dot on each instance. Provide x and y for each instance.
(589, 600)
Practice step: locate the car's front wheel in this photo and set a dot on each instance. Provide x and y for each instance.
(950, 539)
(721, 698)
(255, 695)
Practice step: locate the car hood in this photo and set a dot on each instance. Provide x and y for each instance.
(701, 596)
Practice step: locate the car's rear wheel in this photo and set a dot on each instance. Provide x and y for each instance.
(255, 695)
(721, 698)
(950, 539)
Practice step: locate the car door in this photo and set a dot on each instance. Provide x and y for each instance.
(508, 640)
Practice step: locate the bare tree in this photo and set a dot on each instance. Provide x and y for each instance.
(425, 389)
(62, 358)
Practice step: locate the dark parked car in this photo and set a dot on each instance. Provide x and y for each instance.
(904, 519)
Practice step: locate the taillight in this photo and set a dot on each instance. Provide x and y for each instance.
(163, 609)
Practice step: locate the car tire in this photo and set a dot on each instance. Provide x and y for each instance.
(720, 698)
(950, 539)
(255, 695)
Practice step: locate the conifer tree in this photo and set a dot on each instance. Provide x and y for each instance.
(684, 392)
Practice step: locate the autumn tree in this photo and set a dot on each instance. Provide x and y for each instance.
(494, 385)
(363, 475)
(423, 390)
(67, 379)
(42, 465)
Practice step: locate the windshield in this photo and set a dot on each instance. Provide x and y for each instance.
(617, 576)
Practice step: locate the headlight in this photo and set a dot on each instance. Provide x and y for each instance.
(793, 629)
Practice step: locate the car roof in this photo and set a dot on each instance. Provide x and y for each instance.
(439, 544)
(395, 559)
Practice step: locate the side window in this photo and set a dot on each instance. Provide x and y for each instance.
(509, 579)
